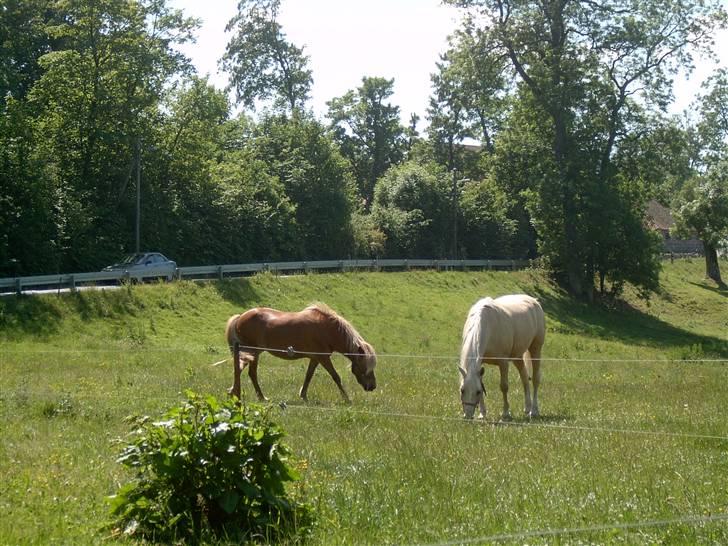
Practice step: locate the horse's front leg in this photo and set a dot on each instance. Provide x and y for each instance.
(503, 365)
(253, 374)
(521, 367)
(329, 367)
(312, 364)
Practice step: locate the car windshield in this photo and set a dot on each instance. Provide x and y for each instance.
(131, 259)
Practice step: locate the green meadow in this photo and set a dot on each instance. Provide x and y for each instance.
(631, 446)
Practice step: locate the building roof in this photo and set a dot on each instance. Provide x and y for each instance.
(659, 216)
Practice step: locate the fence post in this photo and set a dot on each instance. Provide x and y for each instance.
(18, 286)
(235, 390)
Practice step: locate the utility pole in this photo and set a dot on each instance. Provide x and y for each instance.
(138, 189)
(455, 187)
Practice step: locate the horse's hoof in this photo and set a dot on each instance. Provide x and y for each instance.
(506, 417)
(481, 417)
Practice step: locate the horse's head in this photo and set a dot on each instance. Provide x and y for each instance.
(363, 362)
(472, 391)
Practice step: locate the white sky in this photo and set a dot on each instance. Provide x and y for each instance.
(349, 39)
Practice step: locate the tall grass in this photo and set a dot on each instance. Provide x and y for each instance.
(633, 429)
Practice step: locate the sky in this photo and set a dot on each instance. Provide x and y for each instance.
(349, 39)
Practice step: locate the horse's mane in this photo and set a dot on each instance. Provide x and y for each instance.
(353, 337)
(472, 335)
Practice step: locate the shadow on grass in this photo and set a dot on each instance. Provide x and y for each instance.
(22, 315)
(626, 324)
(720, 290)
(239, 292)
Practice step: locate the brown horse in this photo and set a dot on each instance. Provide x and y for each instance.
(314, 333)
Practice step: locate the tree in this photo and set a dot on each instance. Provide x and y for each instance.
(702, 211)
(488, 231)
(300, 153)
(261, 62)
(369, 131)
(713, 125)
(468, 99)
(23, 40)
(579, 64)
(102, 70)
(181, 208)
(413, 208)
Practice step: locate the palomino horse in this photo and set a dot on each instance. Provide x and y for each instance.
(496, 331)
(314, 333)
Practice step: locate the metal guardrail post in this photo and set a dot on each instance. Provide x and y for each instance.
(219, 272)
(18, 286)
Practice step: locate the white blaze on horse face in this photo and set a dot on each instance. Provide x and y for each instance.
(471, 392)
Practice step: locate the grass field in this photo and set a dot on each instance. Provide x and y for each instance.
(631, 447)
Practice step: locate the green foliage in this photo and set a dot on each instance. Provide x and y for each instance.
(208, 467)
(713, 124)
(703, 207)
(579, 66)
(468, 98)
(368, 131)
(301, 154)
(414, 208)
(488, 231)
(703, 212)
(261, 62)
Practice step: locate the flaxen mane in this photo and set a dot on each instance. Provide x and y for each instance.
(472, 333)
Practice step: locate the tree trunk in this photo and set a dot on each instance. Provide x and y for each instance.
(712, 269)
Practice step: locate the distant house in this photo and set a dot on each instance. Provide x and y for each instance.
(660, 219)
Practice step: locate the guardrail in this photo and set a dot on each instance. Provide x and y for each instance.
(99, 278)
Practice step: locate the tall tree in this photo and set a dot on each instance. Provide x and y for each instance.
(712, 126)
(261, 62)
(579, 65)
(23, 40)
(469, 94)
(301, 154)
(100, 76)
(702, 211)
(368, 130)
(413, 208)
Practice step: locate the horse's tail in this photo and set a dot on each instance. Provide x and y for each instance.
(230, 334)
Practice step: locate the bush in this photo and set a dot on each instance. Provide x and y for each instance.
(208, 468)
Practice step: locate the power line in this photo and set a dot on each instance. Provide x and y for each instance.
(586, 529)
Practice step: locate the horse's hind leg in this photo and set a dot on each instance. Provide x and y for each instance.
(309, 374)
(253, 373)
(329, 367)
(521, 367)
(535, 354)
(503, 365)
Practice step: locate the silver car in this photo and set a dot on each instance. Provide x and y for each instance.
(144, 265)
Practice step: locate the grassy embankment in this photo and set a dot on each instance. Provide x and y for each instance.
(398, 465)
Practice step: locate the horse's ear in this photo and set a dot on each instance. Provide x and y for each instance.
(482, 371)
(462, 372)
